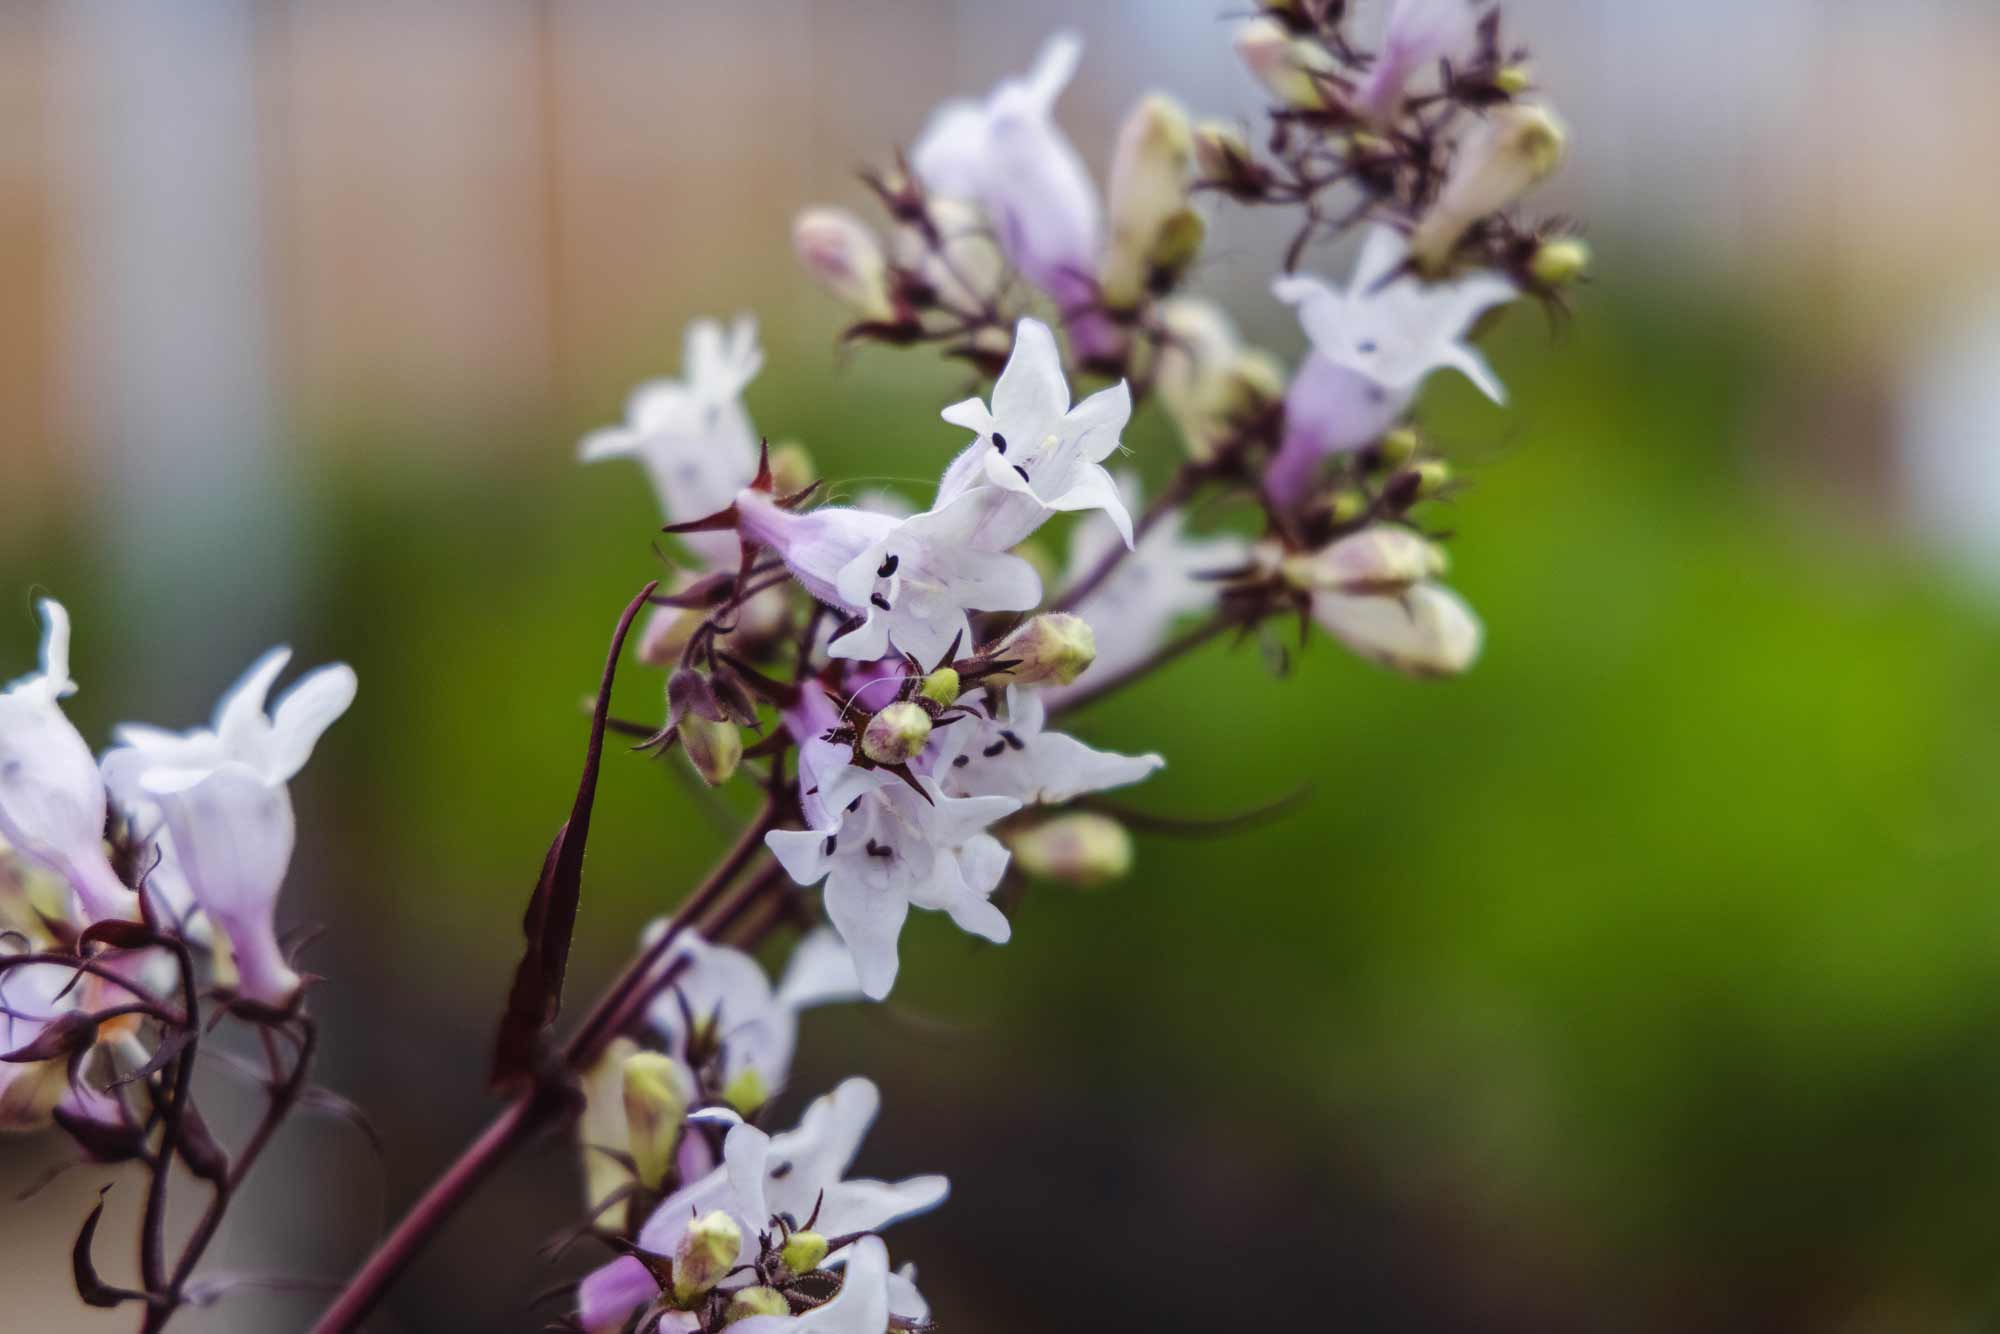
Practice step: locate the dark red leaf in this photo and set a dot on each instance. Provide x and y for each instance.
(71, 1031)
(118, 933)
(93, 1290)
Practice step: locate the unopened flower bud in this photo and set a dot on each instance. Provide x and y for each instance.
(1083, 849)
(1560, 262)
(1516, 148)
(1054, 647)
(1433, 476)
(940, 687)
(962, 265)
(1179, 243)
(1223, 154)
(1347, 505)
(1284, 64)
(1150, 173)
(1513, 80)
(803, 1251)
(705, 1256)
(746, 1302)
(1383, 559)
(655, 1101)
(897, 733)
(747, 1091)
(713, 748)
(1397, 448)
(792, 468)
(602, 1131)
(840, 251)
(1211, 384)
(1427, 631)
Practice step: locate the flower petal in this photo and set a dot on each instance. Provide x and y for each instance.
(870, 920)
(303, 715)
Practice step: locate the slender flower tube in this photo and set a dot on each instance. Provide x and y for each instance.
(52, 798)
(1420, 34)
(222, 794)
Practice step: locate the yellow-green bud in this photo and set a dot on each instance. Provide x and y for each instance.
(1383, 559)
(839, 250)
(1053, 647)
(746, 1302)
(707, 1253)
(897, 733)
(1178, 243)
(1284, 64)
(1560, 262)
(603, 1126)
(1150, 171)
(1398, 447)
(1513, 80)
(1220, 150)
(746, 1091)
(655, 1102)
(1516, 148)
(1084, 849)
(1347, 506)
(940, 687)
(791, 468)
(714, 749)
(803, 1251)
(1433, 476)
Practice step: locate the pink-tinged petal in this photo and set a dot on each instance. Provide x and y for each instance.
(609, 1294)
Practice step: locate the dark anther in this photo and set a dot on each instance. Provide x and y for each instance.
(1000, 442)
(879, 601)
(1023, 471)
(888, 567)
(852, 804)
(1365, 347)
(832, 842)
(781, 1171)
(961, 761)
(1013, 740)
(994, 749)
(879, 850)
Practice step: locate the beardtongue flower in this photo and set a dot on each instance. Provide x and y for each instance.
(223, 797)
(1425, 631)
(1035, 455)
(52, 798)
(1373, 346)
(1006, 155)
(692, 435)
(883, 848)
(1419, 35)
(1016, 756)
(869, 1295)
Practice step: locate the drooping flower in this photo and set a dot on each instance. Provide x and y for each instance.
(222, 794)
(1017, 756)
(882, 847)
(692, 435)
(723, 997)
(910, 581)
(1035, 455)
(1007, 155)
(52, 799)
(1157, 584)
(1419, 35)
(1426, 630)
(1373, 346)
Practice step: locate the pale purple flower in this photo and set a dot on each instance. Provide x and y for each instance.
(52, 798)
(221, 792)
(1035, 455)
(882, 848)
(692, 435)
(1015, 755)
(1373, 345)
(1420, 34)
(1427, 630)
(1161, 581)
(1007, 155)
(911, 581)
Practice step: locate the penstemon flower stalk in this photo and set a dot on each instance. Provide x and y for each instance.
(889, 677)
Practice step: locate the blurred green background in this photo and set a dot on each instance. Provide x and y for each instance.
(1647, 978)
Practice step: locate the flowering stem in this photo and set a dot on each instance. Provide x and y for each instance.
(1177, 492)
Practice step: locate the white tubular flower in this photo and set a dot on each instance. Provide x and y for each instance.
(1515, 148)
(1420, 34)
(1160, 582)
(223, 797)
(692, 435)
(1007, 155)
(911, 581)
(726, 996)
(882, 848)
(1036, 455)
(1426, 631)
(869, 1294)
(1017, 757)
(52, 800)
(795, 1176)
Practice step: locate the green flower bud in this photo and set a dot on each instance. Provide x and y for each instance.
(1398, 447)
(746, 1091)
(1284, 64)
(1178, 243)
(746, 1302)
(1084, 849)
(714, 749)
(1347, 506)
(1560, 262)
(655, 1095)
(1052, 647)
(803, 1251)
(897, 733)
(1513, 80)
(1222, 153)
(707, 1253)
(940, 687)
(1433, 476)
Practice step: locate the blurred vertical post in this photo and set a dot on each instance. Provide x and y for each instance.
(168, 362)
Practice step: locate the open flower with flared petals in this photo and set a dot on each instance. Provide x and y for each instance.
(692, 435)
(222, 795)
(52, 798)
(1007, 155)
(1015, 755)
